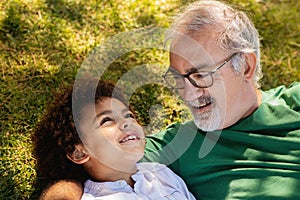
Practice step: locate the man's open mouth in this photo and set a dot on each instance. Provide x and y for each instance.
(200, 103)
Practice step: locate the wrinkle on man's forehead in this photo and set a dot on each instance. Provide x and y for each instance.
(199, 50)
(188, 49)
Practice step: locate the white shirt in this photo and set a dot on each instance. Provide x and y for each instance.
(153, 181)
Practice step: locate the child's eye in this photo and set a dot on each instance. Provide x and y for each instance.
(129, 115)
(105, 120)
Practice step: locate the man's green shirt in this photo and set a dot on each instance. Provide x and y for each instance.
(257, 158)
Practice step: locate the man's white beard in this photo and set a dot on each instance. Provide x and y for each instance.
(208, 121)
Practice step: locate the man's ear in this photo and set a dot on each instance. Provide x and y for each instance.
(79, 155)
(250, 66)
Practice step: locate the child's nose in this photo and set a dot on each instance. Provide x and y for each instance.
(125, 124)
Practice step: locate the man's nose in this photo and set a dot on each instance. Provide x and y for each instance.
(190, 92)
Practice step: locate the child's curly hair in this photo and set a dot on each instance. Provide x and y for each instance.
(56, 134)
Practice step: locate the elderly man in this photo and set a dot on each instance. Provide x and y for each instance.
(243, 143)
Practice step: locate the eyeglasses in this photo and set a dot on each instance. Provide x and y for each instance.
(200, 79)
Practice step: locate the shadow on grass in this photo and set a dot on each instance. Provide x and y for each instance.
(71, 11)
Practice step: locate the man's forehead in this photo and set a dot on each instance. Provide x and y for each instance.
(185, 46)
(191, 62)
(193, 52)
(189, 49)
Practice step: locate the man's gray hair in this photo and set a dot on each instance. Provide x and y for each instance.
(236, 32)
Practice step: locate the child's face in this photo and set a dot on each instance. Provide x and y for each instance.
(111, 134)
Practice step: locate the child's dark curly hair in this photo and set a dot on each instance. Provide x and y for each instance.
(56, 134)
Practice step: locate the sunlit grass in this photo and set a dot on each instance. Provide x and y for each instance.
(43, 43)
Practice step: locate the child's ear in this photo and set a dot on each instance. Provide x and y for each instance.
(79, 155)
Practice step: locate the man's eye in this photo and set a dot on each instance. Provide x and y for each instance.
(105, 120)
(199, 75)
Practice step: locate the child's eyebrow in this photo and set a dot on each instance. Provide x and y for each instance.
(106, 112)
(102, 113)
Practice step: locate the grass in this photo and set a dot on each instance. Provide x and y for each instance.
(43, 44)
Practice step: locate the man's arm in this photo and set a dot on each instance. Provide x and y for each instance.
(63, 190)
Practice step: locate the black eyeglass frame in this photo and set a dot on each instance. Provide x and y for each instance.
(194, 83)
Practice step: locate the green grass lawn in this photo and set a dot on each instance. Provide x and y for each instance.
(43, 44)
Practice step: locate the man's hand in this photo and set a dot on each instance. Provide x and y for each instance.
(63, 190)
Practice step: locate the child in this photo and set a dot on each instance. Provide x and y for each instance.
(99, 142)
